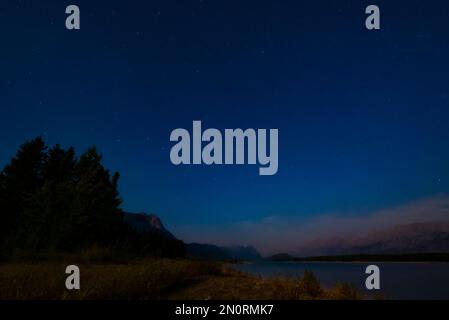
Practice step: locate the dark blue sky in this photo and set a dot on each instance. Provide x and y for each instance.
(362, 115)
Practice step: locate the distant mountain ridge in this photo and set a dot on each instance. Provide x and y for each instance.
(143, 222)
(414, 238)
(428, 237)
(213, 252)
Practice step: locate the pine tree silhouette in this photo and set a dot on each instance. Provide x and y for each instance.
(52, 201)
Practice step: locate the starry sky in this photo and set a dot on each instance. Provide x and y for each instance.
(363, 116)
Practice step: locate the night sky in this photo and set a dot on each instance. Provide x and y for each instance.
(363, 116)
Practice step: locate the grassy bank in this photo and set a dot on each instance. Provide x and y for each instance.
(158, 279)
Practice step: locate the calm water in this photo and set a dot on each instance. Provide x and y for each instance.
(398, 280)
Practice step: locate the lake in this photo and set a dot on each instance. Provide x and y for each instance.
(397, 280)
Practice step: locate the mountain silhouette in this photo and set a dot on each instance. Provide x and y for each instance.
(426, 237)
(143, 222)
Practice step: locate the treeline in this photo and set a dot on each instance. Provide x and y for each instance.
(50, 200)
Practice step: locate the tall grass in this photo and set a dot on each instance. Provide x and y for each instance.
(157, 279)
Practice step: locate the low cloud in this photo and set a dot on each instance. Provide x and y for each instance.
(276, 234)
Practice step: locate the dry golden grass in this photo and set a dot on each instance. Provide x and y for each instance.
(158, 279)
